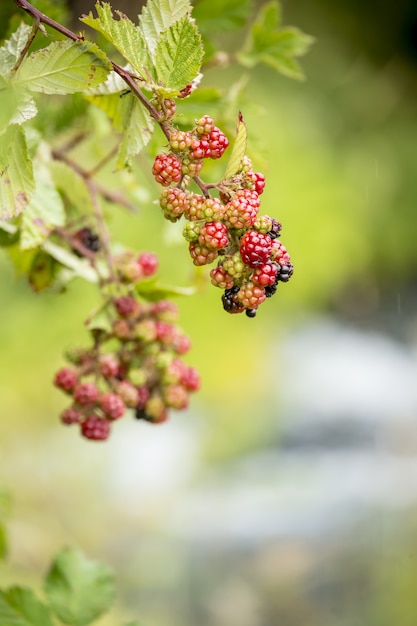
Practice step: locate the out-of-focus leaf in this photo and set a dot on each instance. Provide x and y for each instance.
(137, 133)
(158, 15)
(79, 590)
(152, 290)
(16, 173)
(179, 55)
(64, 67)
(12, 48)
(71, 185)
(124, 35)
(274, 46)
(43, 213)
(20, 607)
(9, 235)
(42, 272)
(221, 15)
(100, 321)
(80, 267)
(239, 148)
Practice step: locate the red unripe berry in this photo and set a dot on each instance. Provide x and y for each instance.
(255, 248)
(220, 278)
(95, 428)
(217, 141)
(265, 275)
(176, 397)
(71, 416)
(259, 183)
(86, 393)
(165, 332)
(65, 379)
(190, 379)
(121, 329)
(126, 306)
(143, 396)
(204, 125)
(181, 344)
(167, 169)
(251, 295)
(165, 310)
(109, 366)
(128, 393)
(112, 405)
(148, 262)
(202, 254)
(214, 234)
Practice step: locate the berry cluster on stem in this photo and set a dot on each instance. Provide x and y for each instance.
(135, 364)
(227, 227)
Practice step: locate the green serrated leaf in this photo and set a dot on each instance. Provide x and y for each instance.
(79, 266)
(137, 133)
(178, 55)
(273, 46)
(239, 149)
(20, 607)
(64, 67)
(72, 186)
(16, 174)
(118, 107)
(221, 15)
(125, 37)
(12, 48)
(113, 84)
(79, 590)
(158, 15)
(43, 213)
(153, 290)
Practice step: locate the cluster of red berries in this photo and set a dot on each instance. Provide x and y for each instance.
(188, 149)
(136, 364)
(251, 261)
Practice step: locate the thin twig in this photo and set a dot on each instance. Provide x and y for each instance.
(22, 55)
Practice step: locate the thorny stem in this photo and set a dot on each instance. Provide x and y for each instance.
(40, 17)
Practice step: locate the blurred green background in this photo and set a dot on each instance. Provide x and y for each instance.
(287, 493)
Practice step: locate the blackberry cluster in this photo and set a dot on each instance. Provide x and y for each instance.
(251, 260)
(136, 364)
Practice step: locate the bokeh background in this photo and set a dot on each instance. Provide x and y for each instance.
(287, 493)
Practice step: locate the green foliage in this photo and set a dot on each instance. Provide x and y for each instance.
(20, 607)
(178, 56)
(16, 173)
(221, 15)
(123, 35)
(64, 67)
(277, 47)
(78, 590)
(153, 290)
(239, 148)
(159, 16)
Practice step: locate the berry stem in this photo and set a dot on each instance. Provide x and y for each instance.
(204, 186)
